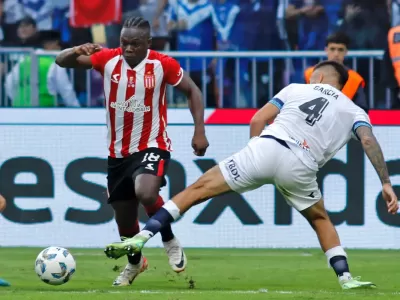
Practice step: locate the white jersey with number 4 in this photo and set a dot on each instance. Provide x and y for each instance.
(316, 121)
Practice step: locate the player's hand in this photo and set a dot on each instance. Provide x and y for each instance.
(199, 143)
(87, 49)
(390, 198)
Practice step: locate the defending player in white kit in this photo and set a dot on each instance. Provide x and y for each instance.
(311, 123)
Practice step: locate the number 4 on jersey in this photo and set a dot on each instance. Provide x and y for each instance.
(314, 109)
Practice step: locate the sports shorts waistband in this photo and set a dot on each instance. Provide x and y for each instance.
(282, 142)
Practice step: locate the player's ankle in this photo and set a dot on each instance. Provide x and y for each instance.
(345, 276)
(146, 234)
(172, 209)
(135, 259)
(167, 237)
(337, 259)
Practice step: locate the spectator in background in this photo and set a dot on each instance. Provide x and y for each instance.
(391, 66)
(336, 49)
(12, 14)
(192, 21)
(27, 34)
(332, 11)
(312, 27)
(268, 39)
(154, 10)
(61, 20)
(367, 24)
(41, 11)
(230, 34)
(130, 8)
(53, 80)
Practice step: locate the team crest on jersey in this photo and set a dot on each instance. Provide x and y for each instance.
(149, 80)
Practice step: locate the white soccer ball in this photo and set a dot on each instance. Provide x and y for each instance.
(55, 265)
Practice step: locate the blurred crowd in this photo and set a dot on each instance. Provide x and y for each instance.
(193, 25)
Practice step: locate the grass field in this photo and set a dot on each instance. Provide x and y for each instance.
(212, 274)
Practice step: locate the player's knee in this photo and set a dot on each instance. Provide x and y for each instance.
(146, 196)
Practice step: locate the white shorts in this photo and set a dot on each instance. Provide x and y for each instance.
(266, 161)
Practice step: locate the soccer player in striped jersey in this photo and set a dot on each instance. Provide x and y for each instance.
(135, 80)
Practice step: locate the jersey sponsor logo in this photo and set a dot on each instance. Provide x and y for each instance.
(131, 83)
(115, 78)
(131, 105)
(233, 170)
(149, 80)
(302, 145)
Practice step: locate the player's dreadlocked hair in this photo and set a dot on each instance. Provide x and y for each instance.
(341, 71)
(137, 22)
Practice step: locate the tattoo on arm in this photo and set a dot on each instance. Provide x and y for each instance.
(374, 152)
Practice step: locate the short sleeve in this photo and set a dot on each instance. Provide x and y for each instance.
(173, 73)
(360, 119)
(279, 99)
(100, 59)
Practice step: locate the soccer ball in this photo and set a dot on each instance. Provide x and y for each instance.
(55, 265)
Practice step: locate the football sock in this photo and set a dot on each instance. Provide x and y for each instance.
(337, 258)
(166, 231)
(339, 264)
(130, 232)
(164, 216)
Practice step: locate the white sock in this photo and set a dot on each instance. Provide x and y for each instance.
(346, 276)
(173, 210)
(335, 251)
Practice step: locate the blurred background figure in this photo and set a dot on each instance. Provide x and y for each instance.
(194, 26)
(191, 20)
(54, 83)
(312, 23)
(154, 11)
(336, 49)
(26, 34)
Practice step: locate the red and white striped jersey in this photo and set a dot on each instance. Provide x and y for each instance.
(135, 100)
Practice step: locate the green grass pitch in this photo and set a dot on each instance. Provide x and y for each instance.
(212, 274)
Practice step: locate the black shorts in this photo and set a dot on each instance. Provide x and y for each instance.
(122, 171)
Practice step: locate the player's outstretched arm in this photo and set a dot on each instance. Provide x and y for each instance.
(375, 155)
(196, 106)
(265, 115)
(77, 57)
